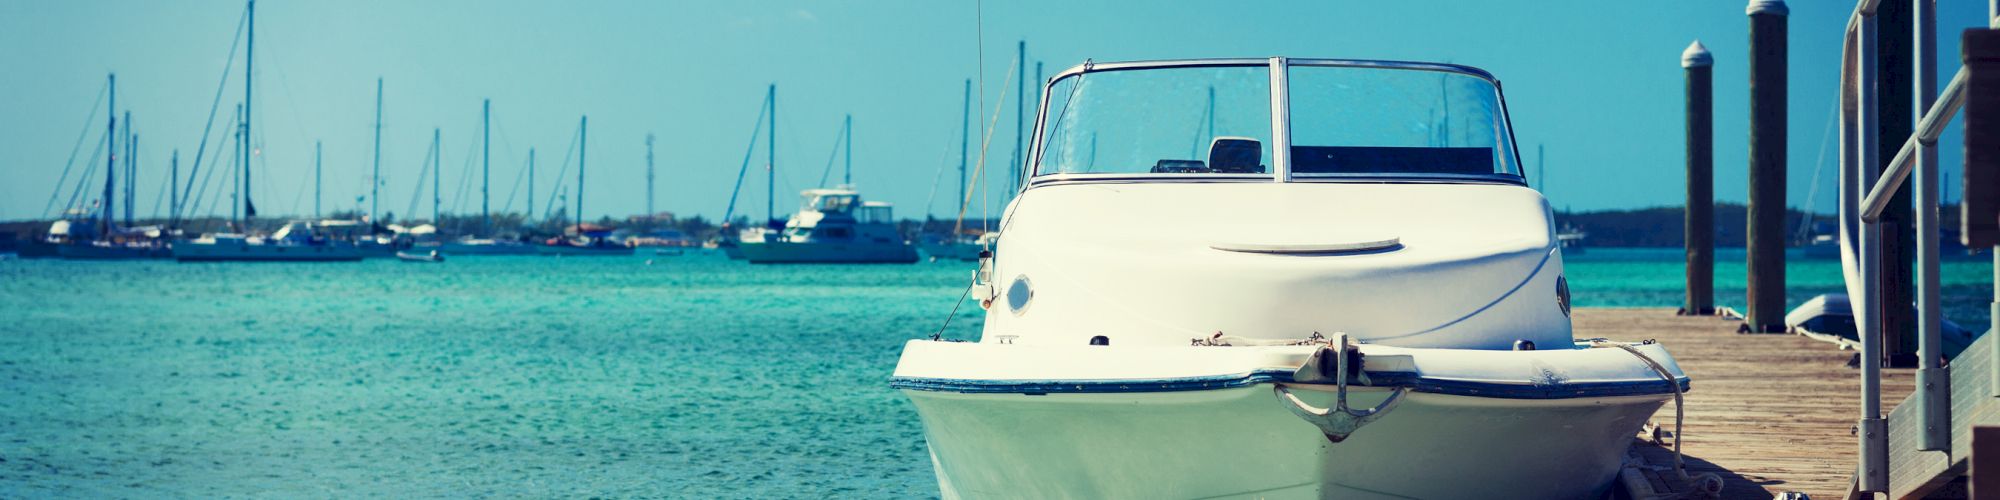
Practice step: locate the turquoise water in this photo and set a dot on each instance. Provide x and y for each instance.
(691, 376)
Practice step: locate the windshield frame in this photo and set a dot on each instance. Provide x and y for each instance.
(1281, 133)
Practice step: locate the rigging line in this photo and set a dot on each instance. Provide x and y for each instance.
(160, 197)
(507, 147)
(88, 123)
(285, 84)
(89, 174)
(463, 192)
(755, 132)
(979, 171)
(1812, 191)
(423, 178)
(832, 155)
(200, 195)
(944, 162)
(562, 173)
(511, 192)
(234, 174)
(206, 127)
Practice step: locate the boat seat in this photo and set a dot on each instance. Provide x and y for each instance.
(1235, 155)
(1179, 167)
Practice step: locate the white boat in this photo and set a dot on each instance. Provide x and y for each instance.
(420, 256)
(962, 248)
(1342, 288)
(1829, 318)
(833, 226)
(296, 242)
(486, 246)
(581, 246)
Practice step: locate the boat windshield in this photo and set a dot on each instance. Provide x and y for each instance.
(1397, 122)
(1186, 120)
(830, 203)
(1345, 119)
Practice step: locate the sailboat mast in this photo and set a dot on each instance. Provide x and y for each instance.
(771, 156)
(110, 157)
(486, 163)
(375, 178)
(131, 169)
(1020, 105)
(964, 149)
(236, 166)
(531, 186)
(437, 163)
(847, 172)
(316, 178)
(249, 51)
(174, 191)
(649, 177)
(582, 146)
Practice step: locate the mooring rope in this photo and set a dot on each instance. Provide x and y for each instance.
(1707, 485)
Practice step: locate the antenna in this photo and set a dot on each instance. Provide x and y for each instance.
(649, 178)
(485, 163)
(375, 180)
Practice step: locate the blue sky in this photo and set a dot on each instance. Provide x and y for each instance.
(1597, 83)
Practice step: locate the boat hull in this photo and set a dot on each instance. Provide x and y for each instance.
(232, 252)
(96, 252)
(828, 253)
(581, 251)
(1241, 442)
(487, 249)
(1095, 421)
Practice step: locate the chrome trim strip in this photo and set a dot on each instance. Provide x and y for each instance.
(1418, 383)
(1281, 121)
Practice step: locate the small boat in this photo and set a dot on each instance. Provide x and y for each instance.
(297, 241)
(1343, 288)
(487, 246)
(1829, 318)
(578, 246)
(834, 226)
(412, 256)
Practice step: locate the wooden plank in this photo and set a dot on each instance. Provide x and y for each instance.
(1767, 413)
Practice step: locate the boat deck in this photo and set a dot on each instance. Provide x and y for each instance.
(1767, 413)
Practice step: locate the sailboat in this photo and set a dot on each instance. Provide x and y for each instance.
(958, 245)
(729, 238)
(1332, 299)
(108, 240)
(834, 225)
(297, 241)
(582, 239)
(486, 245)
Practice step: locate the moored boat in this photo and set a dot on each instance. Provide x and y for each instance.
(834, 226)
(417, 256)
(1343, 289)
(295, 242)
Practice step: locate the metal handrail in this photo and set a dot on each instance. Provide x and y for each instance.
(1927, 133)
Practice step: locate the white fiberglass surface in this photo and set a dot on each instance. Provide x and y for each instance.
(1373, 121)
(1185, 120)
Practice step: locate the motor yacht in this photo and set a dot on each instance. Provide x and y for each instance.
(1277, 278)
(833, 225)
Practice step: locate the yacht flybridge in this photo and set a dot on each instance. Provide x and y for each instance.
(1278, 278)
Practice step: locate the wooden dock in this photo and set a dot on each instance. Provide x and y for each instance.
(1768, 413)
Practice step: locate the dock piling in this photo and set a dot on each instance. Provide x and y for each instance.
(1699, 226)
(1765, 300)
